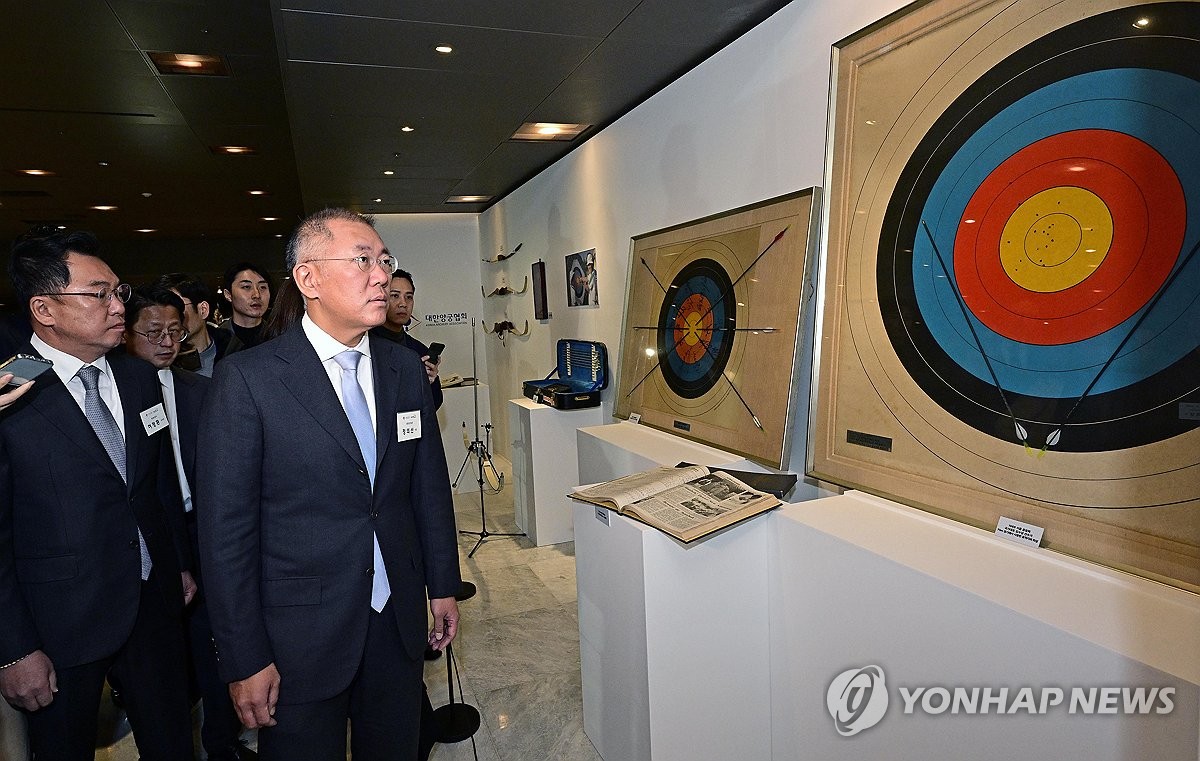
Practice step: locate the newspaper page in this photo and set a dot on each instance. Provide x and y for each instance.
(629, 489)
(703, 500)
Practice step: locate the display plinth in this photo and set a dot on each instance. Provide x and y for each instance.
(673, 640)
(673, 662)
(545, 466)
(618, 449)
(458, 407)
(859, 581)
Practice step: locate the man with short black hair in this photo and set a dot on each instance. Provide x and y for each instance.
(154, 331)
(248, 290)
(208, 345)
(93, 551)
(401, 295)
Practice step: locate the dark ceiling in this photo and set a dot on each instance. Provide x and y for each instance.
(320, 89)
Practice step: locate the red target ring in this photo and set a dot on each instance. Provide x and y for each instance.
(1081, 293)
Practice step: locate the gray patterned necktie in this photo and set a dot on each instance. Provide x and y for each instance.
(109, 433)
(355, 403)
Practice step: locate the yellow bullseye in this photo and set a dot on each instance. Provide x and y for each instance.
(1056, 239)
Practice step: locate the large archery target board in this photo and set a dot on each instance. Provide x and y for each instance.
(1011, 297)
(712, 321)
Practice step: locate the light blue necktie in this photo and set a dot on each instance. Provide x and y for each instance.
(355, 402)
(105, 426)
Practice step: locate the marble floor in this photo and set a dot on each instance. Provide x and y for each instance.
(517, 649)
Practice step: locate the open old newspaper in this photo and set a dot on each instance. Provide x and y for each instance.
(686, 503)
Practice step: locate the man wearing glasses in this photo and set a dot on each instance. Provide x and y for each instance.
(93, 549)
(326, 523)
(154, 332)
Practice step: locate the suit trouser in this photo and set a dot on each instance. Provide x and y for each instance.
(151, 666)
(221, 724)
(382, 704)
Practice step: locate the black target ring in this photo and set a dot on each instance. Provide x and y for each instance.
(696, 328)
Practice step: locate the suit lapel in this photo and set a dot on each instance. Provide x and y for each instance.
(387, 385)
(54, 402)
(302, 373)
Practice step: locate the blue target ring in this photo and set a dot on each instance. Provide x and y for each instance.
(695, 328)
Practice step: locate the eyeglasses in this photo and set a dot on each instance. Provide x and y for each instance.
(365, 263)
(177, 335)
(122, 292)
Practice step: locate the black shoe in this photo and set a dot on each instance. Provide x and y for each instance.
(432, 654)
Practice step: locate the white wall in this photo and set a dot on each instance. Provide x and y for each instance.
(442, 253)
(746, 125)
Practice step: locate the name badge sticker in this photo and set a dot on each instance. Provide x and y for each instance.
(408, 425)
(155, 419)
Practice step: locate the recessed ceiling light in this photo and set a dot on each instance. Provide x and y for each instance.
(102, 163)
(147, 195)
(388, 172)
(468, 199)
(145, 230)
(104, 208)
(549, 131)
(61, 227)
(444, 49)
(189, 63)
(406, 128)
(257, 192)
(234, 150)
(376, 200)
(270, 219)
(36, 172)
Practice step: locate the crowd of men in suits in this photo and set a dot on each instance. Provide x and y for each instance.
(275, 513)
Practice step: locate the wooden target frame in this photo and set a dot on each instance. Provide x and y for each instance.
(712, 326)
(1010, 316)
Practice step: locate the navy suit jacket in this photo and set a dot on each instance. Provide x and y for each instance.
(287, 513)
(70, 569)
(404, 339)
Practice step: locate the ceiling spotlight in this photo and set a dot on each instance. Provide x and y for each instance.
(388, 172)
(257, 192)
(444, 49)
(468, 199)
(145, 230)
(406, 128)
(549, 131)
(36, 172)
(147, 195)
(104, 208)
(270, 219)
(189, 63)
(234, 150)
(102, 163)
(376, 200)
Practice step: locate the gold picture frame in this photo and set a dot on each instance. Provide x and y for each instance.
(994, 340)
(711, 339)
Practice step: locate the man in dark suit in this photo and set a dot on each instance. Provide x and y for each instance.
(401, 295)
(93, 551)
(154, 331)
(326, 515)
(205, 344)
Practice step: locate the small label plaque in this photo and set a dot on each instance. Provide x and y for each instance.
(882, 443)
(682, 426)
(602, 515)
(1021, 533)
(635, 417)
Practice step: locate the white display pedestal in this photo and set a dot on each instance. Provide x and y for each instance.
(545, 466)
(618, 449)
(458, 407)
(673, 640)
(857, 580)
(671, 637)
